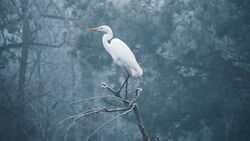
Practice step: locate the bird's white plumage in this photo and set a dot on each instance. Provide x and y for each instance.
(123, 56)
(119, 51)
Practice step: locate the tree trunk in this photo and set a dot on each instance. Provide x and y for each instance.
(22, 73)
(140, 124)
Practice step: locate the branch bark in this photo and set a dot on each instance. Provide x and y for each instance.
(140, 123)
(135, 109)
(22, 71)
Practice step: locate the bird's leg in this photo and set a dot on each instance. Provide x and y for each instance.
(117, 93)
(126, 95)
(123, 84)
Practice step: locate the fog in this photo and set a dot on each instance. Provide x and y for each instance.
(57, 81)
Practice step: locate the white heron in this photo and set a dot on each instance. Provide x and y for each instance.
(120, 53)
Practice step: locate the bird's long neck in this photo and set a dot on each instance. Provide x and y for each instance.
(105, 40)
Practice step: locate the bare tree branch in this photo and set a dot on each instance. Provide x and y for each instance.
(75, 117)
(129, 106)
(135, 109)
(89, 112)
(59, 17)
(100, 97)
(137, 94)
(68, 129)
(8, 46)
(104, 124)
(105, 86)
(140, 123)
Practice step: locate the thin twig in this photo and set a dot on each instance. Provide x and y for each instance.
(137, 95)
(104, 124)
(116, 109)
(102, 110)
(85, 113)
(100, 97)
(105, 86)
(89, 112)
(79, 116)
(68, 129)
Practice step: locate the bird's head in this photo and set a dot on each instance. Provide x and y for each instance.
(103, 28)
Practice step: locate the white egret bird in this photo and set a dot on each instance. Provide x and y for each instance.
(120, 53)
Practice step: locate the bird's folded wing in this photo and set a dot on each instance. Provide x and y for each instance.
(123, 53)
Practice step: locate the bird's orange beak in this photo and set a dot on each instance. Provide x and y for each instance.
(92, 29)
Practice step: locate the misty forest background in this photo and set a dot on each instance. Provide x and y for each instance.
(195, 55)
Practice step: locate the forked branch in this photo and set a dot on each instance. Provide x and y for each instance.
(130, 105)
(136, 111)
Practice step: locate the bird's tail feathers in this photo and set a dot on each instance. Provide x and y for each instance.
(137, 71)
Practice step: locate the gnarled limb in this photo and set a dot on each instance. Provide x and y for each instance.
(135, 109)
(130, 105)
